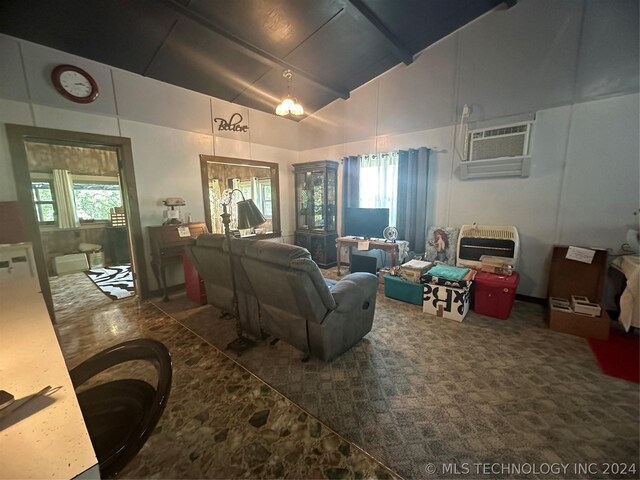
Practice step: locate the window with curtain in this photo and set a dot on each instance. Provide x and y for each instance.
(397, 181)
(378, 183)
(64, 200)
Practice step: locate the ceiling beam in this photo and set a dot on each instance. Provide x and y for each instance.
(252, 50)
(396, 46)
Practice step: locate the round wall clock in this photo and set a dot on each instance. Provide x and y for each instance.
(74, 84)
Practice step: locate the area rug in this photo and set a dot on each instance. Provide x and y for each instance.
(115, 282)
(619, 356)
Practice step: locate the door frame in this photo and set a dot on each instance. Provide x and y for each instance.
(17, 136)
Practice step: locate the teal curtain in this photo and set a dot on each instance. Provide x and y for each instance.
(413, 178)
(350, 184)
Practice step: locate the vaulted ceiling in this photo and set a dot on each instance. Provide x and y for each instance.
(237, 50)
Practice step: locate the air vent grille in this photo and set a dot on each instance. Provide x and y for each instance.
(500, 142)
(501, 131)
(498, 147)
(490, 233)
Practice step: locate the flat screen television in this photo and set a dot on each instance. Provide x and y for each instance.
(366, 222)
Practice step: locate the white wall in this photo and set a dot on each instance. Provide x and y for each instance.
(169, 128)
(573, 65)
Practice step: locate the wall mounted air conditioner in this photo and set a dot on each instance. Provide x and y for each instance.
(498, 152)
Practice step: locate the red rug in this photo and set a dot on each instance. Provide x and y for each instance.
(619, 356)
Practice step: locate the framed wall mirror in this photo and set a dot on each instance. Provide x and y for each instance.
(256, 180)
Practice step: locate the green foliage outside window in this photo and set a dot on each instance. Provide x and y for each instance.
(94, 201)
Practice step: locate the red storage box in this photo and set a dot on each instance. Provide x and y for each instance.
(494, 294)
(194, 285)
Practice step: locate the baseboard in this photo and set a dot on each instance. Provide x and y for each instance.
(146, 295)
(528, 299)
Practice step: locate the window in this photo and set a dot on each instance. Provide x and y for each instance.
(265, 197)
(42, 192)
(94, 199)
(259, 190)
(378, 182)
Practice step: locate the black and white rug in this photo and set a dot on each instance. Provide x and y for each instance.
(115, 282)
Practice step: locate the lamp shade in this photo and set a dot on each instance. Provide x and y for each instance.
(248, 214)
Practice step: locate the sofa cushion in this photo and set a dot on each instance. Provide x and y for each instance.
(214, 240)
(278, 253)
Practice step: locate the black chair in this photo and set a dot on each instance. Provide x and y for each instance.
(121, 414)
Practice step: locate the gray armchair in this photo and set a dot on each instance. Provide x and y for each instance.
(297, 306)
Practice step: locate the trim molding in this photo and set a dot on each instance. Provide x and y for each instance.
(17, 135)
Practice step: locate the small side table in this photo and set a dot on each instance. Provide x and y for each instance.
(118, 246)
(396, 249)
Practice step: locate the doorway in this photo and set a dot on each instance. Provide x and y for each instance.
(78, 195)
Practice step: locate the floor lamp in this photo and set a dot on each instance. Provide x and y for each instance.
(249, 216)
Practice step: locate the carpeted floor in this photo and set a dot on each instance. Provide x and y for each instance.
(421, 390)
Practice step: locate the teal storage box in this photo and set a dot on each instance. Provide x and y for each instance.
(400, 289)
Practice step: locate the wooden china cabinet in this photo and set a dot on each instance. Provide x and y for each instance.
(316, 186)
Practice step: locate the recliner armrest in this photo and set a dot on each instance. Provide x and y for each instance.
(351, 293)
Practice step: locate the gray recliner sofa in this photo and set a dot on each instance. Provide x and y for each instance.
(294, 302)
(209, 254)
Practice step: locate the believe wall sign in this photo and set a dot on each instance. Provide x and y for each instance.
(233, 125)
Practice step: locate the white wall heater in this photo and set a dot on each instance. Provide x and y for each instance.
(475, 241)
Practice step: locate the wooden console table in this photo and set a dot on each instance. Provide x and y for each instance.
(391, 247)
(167, 246)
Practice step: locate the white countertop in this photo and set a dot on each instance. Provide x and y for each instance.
(51, 442)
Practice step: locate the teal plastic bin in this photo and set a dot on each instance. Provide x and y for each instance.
(400, 289)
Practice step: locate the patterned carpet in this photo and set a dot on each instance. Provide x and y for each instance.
(420, 390)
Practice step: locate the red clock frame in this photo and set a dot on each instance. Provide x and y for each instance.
(55, 78)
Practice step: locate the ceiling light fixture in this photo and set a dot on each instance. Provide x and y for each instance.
(289, 106)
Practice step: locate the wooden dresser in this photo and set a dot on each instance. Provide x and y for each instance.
(167, 246)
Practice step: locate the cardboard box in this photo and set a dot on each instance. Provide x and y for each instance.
(497, 265)
(445, 302)
(413, 270)
(569, 278)
(579, 324)
(381, 273)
